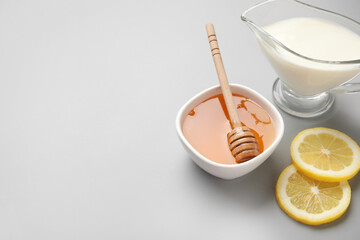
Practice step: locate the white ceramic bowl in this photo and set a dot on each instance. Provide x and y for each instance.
(235, 170)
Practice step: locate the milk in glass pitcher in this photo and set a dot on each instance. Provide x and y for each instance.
(314, 52)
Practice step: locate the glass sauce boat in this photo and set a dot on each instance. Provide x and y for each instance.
(305, 85)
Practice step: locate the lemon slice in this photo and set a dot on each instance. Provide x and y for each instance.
(310, 201)
(325, 154)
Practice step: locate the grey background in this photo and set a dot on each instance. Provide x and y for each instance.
(89, 91)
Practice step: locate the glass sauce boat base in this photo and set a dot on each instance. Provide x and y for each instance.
(298, 105)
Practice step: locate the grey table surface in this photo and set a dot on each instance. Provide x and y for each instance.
(89, 91)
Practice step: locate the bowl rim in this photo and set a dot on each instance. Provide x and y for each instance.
(274, 114)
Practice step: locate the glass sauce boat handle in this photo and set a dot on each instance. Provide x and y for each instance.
(347, 88)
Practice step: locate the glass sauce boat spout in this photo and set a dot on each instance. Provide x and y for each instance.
(306, 83)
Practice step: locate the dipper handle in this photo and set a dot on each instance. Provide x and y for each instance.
(225, 88)
(241, 139)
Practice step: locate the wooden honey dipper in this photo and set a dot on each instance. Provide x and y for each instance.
(241, 140)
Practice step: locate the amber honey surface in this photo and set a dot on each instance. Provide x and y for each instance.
(206, 126)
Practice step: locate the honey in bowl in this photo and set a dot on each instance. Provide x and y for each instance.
(206, 126)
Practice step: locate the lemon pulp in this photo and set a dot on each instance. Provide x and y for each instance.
(325, 154)
(311, 201)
